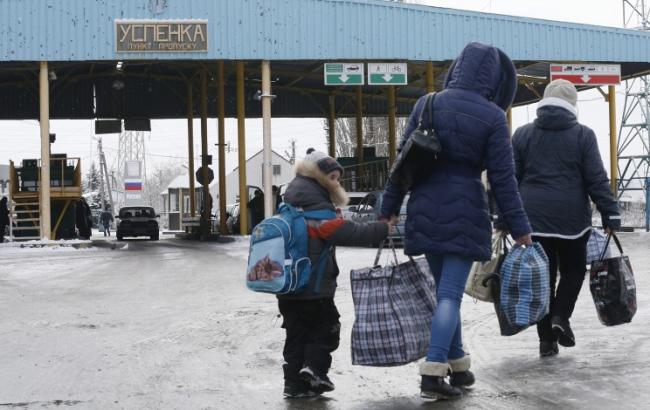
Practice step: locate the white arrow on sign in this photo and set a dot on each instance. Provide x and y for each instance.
(344, 78)
(387, 77)
(586, 78)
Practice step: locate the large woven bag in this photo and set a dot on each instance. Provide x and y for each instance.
(393, 308)
(522, 297)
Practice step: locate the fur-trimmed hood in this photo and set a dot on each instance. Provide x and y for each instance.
(310, 169)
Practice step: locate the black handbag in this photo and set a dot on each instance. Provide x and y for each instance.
(418, 153)
(612, 286)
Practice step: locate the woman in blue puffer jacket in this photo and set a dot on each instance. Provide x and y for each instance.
(447, 217)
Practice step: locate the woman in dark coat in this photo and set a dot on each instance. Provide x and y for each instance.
(447, 217)
(559, 169)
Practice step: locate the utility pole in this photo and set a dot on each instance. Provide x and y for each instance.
(102, 201)
(105, 178)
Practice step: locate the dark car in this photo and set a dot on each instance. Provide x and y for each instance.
(369, 208)
(137, 221)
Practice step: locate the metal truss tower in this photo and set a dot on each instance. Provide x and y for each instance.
(634, 135)
(131, 148)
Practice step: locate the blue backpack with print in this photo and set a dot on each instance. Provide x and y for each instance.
(278, 259)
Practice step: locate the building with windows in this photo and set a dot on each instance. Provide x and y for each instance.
(282, 173)
(176, 201)
(176, 197)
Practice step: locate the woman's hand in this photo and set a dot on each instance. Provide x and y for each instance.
(524, 240)
(392, 222)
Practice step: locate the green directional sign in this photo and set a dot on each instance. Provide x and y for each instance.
(387, 74)
(344, 74)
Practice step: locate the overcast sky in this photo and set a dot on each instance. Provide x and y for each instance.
(167, 142)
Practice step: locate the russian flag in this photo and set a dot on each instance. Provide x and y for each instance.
(133, 185)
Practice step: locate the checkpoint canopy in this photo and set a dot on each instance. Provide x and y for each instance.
(133, 58)
(144, 59)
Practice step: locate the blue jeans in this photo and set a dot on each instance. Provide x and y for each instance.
(450, 273)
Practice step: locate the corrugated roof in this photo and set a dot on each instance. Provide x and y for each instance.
(54, 30)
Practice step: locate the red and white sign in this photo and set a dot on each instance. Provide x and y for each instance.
(587, 74)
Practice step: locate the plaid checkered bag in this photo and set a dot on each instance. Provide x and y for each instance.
(524, 289)
(596, 245)
(393, 308)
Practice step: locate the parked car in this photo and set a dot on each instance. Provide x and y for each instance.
(232, 223)
(229, 209)
(369, 209)
(355, 199)
(137, 221)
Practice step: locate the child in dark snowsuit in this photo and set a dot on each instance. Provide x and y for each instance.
(311, 319)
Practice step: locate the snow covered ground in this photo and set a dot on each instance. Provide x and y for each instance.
(170, 325)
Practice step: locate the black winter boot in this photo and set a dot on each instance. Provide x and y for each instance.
(433, 384)
(548, 348)
(294, 386)
(562, 330)
(318, 381)
(460, 376)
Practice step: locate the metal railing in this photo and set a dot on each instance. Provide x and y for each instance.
(64, 173)
(365, 177)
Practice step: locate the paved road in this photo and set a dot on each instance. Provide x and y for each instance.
(169, 325)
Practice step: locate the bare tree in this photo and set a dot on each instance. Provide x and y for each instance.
(375, 134)
(157, 181)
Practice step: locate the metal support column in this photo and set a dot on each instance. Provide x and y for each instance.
(331, 125)
(221, 126)
(44, 102)
(392, 146)
(267, 173)
(647, 204)
(241, 147)
(359, 124)
(206, 214)
(431, 87)
(611, 98)
(509, 118)
(190, 147)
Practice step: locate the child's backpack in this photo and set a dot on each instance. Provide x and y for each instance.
(278, 260)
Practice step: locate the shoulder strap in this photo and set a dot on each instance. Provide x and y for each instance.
(319, 269)
(428, 108)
